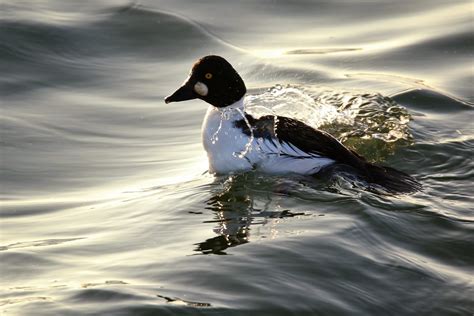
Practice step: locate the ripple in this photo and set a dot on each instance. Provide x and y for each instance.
(320, 51)
(42, 53)
(22, 300)
(38, 243)
(178, 301)
(432, 101)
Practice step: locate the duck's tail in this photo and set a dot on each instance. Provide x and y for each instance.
(392, 180)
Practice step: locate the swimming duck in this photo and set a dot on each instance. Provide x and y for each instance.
(236, 141)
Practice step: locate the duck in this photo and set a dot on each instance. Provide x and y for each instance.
(237, 142)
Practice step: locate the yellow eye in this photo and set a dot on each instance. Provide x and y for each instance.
(208, 75)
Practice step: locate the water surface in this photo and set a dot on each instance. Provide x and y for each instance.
(107, 208)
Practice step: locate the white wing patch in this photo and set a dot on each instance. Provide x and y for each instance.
(275, 147)
(282, 157)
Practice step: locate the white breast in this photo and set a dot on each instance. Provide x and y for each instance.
(230, 150)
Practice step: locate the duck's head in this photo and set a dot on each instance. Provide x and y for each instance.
(213, 80)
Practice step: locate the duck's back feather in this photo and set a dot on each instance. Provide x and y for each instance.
(291, 133)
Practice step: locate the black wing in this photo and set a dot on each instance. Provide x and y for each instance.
(316, 142)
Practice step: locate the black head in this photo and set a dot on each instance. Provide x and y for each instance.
(213, 80)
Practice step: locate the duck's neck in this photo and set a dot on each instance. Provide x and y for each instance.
(230, 112)
(238, 105)
(216, 117)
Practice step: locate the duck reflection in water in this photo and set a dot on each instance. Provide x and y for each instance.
(238, 208)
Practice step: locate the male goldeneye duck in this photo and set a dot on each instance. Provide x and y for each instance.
(237, 142)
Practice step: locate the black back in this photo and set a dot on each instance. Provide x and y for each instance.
(298, 134)
(313, 141)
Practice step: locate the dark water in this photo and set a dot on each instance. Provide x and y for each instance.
(106, 206)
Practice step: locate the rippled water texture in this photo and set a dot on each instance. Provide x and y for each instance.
(107, 208)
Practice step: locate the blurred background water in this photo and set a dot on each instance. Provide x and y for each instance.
(107, 208)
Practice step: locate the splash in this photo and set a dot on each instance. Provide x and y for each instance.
(369, 123)
(297, 103)
(215, 136)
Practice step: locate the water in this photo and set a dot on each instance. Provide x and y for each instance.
(106, 206)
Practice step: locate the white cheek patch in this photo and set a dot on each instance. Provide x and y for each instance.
(201, 89)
